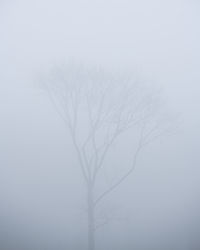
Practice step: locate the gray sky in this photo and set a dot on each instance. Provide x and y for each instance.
(159, 40)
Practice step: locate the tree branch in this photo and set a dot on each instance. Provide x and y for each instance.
(124, 177)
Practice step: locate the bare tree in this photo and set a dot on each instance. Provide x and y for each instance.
(98, 108)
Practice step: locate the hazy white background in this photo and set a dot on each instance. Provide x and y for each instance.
(157, 39)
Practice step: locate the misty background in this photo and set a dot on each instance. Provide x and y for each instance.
(41, 192)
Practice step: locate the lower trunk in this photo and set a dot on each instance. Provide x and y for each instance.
(91, 220)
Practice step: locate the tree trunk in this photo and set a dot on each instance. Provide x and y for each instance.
(91, 220)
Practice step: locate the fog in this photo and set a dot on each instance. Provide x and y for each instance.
(42, 191)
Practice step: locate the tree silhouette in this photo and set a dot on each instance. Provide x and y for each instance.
(98, 107)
